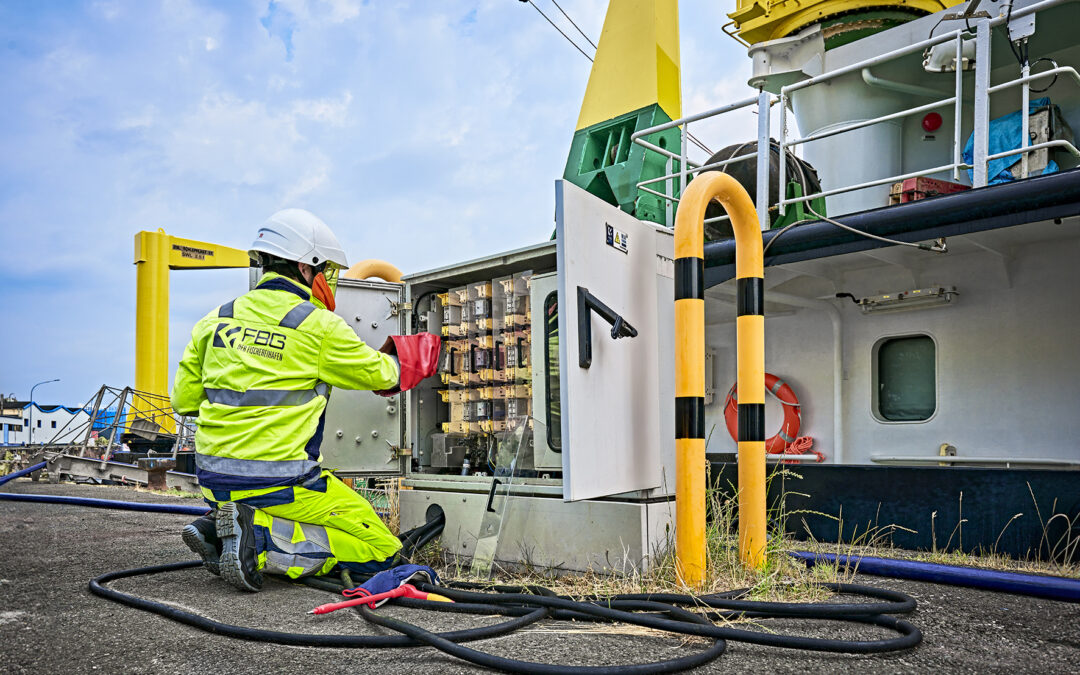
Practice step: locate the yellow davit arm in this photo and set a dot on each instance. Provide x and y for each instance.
(690, 373)
(155, 254)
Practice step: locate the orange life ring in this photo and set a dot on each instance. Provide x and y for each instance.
(789, 429)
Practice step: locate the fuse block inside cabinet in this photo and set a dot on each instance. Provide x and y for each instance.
(485, 371)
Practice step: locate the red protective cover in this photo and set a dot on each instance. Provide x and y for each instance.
(418, 356)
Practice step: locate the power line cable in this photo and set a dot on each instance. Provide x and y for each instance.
(574, 24)
(693, 139)
(556, 27)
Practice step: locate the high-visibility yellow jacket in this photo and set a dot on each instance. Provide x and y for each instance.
(258, 373)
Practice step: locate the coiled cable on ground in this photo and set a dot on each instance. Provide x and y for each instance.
(526, 605)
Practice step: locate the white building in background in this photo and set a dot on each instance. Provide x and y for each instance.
(9, 426)
(49, 424)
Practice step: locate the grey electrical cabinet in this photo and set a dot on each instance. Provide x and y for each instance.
(362, 434)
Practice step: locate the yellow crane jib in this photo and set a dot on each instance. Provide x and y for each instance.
(842, 21)
(690, 373)
(633, 85)
(155, 254)
(636, 63)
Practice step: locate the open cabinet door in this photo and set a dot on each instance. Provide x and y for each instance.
(362, 430)
(611, 266)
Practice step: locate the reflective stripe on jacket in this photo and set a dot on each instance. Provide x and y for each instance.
(258, 373)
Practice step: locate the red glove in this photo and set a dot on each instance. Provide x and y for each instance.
(417, 355)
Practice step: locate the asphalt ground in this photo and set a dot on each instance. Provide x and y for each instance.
(49, 621)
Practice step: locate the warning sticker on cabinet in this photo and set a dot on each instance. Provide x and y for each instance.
(616, 239)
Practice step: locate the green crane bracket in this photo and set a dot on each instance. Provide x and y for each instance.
(604, 162)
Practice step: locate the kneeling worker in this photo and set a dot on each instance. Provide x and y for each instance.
(258, 373)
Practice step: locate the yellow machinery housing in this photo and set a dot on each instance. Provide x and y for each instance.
(762, 20)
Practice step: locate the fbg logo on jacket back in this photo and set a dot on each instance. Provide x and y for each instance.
(251, 341)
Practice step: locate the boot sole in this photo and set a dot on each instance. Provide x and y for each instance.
(229, 532)
(198, 544)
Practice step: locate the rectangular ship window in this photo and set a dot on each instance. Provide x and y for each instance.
(905, 379)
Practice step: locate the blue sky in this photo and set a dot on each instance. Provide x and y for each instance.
(422, 132)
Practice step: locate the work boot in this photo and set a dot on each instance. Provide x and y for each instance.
(201, 537)
(239, 561)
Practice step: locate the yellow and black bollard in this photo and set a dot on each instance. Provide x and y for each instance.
(690, 373)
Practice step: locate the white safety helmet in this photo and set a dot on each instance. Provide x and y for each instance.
(300, 236)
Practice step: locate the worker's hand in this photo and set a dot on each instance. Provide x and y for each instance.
(418, 358)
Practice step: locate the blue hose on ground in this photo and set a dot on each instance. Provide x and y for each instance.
(108, 504)
(24, 472)
(95, 503)
(1055, 588)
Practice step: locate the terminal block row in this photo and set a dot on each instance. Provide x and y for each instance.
(485, 369)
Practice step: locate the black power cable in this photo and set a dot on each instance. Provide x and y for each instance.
(528, 604)
(574, 24)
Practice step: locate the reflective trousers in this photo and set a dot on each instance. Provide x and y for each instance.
(301, 531)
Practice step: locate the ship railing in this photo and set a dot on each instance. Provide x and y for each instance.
(981, 123)
(687, 167)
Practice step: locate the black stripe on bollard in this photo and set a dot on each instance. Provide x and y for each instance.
(690, 417)
(749, 296)
(751, 421)
(689, 278)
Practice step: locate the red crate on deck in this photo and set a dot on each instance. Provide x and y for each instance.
(914, 189)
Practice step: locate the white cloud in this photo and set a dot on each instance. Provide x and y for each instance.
(229, 140)
(343, 10)
(110, 9)
(326, 110)
(321, 11)
(314, 178)
(143, 119)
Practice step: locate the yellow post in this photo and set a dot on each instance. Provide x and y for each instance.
(155, 254)
(690, 373)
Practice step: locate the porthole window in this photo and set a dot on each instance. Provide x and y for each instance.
(905, 379)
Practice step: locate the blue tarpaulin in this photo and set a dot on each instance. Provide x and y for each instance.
(1005, 136)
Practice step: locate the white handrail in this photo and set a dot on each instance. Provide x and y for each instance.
(956, 459)
(1059, 143)
(706, 167)
(1060, 70)
(695, 118)
(876, 120)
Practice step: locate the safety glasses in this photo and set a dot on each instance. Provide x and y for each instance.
(332, 271)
